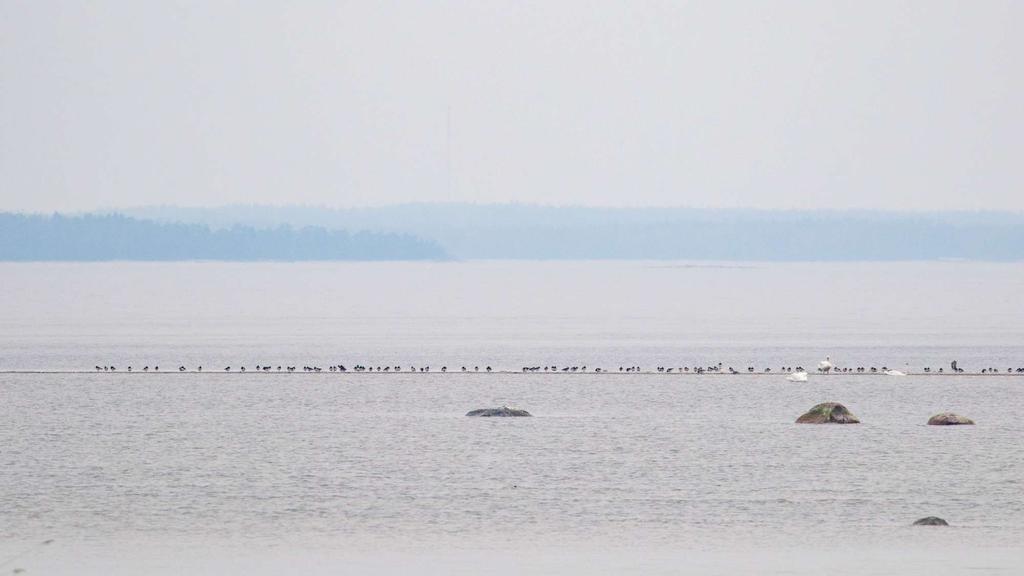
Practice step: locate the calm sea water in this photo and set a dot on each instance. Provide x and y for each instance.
(363, 473)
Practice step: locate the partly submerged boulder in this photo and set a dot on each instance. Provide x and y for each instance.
(931, 521)
(948, 419)
(828, 413)
(503, 411)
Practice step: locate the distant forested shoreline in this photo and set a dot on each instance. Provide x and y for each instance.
(90, 237)
(532, 232)
(510, 232)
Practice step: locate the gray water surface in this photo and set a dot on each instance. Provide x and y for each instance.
(382, 473)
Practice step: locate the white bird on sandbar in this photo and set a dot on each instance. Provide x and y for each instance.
(895, 373)
(800, 376)
(825, 365)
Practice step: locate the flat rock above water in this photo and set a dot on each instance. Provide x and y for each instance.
(931, 521)
(504, 411)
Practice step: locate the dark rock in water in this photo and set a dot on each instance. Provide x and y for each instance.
(503, 411)
(828, 413)
(931, 521)
(948, 419)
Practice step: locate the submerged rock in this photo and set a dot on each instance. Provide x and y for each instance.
(931, 521)
(948, 419)
(503, 411)
(828, 413)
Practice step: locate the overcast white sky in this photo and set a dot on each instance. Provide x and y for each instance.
(758, 104)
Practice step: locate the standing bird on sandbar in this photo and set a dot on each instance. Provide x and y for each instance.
(825, 365)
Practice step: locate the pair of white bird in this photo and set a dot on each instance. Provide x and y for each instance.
(801, 376)
(826, 366)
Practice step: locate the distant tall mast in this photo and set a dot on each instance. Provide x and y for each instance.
(448, 152)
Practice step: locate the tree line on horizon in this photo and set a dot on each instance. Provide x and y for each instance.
(91, 237)
(535, 232)
(510, 232)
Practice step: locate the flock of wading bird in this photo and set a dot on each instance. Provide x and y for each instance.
(793, 373)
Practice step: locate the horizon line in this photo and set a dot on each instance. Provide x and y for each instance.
(511, 204)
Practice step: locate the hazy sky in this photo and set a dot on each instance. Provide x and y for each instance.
(812, 104)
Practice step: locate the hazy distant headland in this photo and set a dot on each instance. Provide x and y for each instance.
(117, 237)
(510, 231)
(521, 231)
